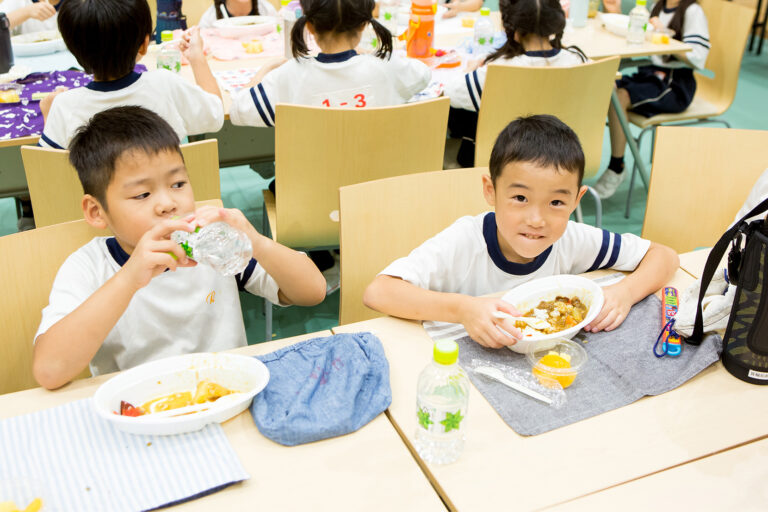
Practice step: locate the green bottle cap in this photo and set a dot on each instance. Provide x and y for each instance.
(166, 35)
(485, 11)
(445, 352)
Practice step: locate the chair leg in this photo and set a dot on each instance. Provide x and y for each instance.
(267, 320)
(629, 193)
(598, 207)
(578, 213)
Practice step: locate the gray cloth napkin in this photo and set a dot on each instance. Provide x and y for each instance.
(620, 369)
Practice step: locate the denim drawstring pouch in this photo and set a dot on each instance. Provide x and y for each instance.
(321, 388)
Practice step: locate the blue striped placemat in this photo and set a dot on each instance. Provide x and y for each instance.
(84, 463)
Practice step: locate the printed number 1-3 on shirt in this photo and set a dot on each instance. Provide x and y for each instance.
(350, 98)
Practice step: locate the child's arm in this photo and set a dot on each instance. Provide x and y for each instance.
(298, 279)
(654, 271)
(457, 6)
(38, 11)
(396, 297)
(191, 46)
(68, 346)
(266, 68)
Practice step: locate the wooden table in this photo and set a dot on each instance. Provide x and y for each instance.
(501, 470)
(370, 469)
(693, 262)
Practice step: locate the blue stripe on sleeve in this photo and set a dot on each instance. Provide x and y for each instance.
(705, 45)
(603, 251)
(258, 107)
(48, 141)
(615, 251)
(471, 94)
(477, 84)
(243, 277)
(687, 36)
(266, 103)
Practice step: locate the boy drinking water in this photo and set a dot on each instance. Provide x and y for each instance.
(536, 170)
(121, 301)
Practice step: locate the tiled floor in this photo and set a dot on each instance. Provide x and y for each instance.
(241, 188)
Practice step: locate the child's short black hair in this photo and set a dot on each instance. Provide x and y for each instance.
(339, 16)
(542, 139)
(105, 35)
(98, 144)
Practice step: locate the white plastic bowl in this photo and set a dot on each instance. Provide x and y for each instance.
(239, 27)
(176, 374)
(37, 43)
(527, 296)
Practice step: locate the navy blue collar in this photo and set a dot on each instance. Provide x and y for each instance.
(669, 10)
(490, 233)
(543, 53)
(327, 58)
(117, 252)
(114, 85)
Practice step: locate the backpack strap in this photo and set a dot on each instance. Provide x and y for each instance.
(713, 261)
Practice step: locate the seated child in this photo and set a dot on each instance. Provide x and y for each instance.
(534, 32)
(457, 6)
(113, 304)
(337, 77)
(27, 16)
(536, 169)
(231, 8)
(107, 37)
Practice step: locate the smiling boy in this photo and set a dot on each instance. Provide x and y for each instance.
(536, 169)
(113, 304)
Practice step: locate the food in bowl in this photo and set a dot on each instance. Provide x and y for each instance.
(206, 391)
(560, 313)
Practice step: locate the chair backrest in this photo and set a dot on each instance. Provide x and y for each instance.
(194, 10)
(577, 95)
(385, 219)
(318, 150)
(29, 262)
(729, 25)
(700, 179)
(55, 189)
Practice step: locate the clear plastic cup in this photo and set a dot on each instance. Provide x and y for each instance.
(566, 349)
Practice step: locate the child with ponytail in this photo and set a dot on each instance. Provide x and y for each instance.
(534, 30)
(336, 77)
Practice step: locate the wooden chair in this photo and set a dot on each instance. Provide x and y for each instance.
(385, 219)
(194, 10)
(29, 262)
(700, 179)
(729, 25)
(577, 95)
(318, 150)
(56, 192)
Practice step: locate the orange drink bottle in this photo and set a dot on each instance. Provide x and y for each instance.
(420, 35)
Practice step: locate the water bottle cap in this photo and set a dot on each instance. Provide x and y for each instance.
(445, 352)
(486, 11)
(166, 35)
(284, 2)
(642, 2)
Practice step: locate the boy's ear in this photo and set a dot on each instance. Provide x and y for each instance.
(581, 193)
(143, 48)
(489, 191)
(93, 212)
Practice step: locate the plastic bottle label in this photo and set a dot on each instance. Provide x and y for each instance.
(439, 420)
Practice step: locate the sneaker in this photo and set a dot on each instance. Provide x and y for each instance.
(25, 223)
(608, 183)
(332, 278)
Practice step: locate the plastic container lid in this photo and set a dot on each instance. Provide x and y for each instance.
(166, 35)
(486, 11)
(445, 352)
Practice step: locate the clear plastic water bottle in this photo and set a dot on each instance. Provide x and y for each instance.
(388, 15)
(289, 13)
(441, 406)
(169, 57)
(220, 246)
(638, 23)
(484, 32)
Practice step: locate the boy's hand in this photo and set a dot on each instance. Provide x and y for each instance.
(232, 216)
(41, 11)
(152, 254)
(191, 45)
(477, 318)
(618, 302)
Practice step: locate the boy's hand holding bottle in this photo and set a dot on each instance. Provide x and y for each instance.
(477, 317)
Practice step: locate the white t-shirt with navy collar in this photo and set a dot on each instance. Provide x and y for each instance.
(31, 25)
(339, 80)
(466, 258)
(209, 16)
(465, 92)
(185, 106)
(695, 33)
(193, 309)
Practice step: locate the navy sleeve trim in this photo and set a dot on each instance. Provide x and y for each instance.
(471, 94)
(686, 36)
(243, 277)
(48, 141)
(603, 251)
(615, 251)
(258, 107)
(705, 45)
(266, 103)
(477, 84)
